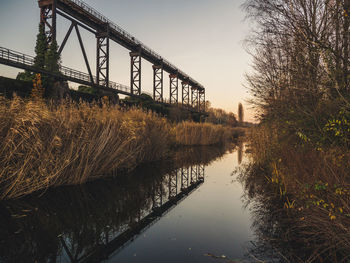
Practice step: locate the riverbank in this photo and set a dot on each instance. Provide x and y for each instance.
(45, 145)
(300, 195)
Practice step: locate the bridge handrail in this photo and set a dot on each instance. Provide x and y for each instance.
(132, 39)
(28, 60)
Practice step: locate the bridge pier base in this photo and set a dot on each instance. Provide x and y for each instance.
(174, 88)
(158, 83)
(135, 74)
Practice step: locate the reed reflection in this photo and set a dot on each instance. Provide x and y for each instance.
(88, 223)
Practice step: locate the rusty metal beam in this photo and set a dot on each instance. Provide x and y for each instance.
(135, 73)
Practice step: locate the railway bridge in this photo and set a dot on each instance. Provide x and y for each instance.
(82, 16)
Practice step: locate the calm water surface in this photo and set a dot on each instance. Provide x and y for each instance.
(188, 210)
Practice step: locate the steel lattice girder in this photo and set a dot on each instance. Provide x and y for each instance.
(102, 63)
(194, 174)
(135, 76)
(194, 98)
(158, 83)
(202, 100)
(158, 197)
(201, 172)
(185, 93)
(174, 88)
(173, 183)
(48, 18)
(184, 177)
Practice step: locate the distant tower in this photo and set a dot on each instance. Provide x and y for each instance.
(240, 113)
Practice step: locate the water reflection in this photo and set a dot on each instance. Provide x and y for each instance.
(88, 223)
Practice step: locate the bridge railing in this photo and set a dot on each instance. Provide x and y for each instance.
(132, 39)
(28, 60)
(15, 56)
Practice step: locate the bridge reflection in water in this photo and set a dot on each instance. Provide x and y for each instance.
(177, 185)
(90, 223)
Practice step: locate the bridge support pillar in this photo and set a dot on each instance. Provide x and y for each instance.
(102, 61)
(201, 96)
(173, 183)
(201, 172)
(158, 197)
(185, 93)
(194, 98)
(174, 89)
(135, 74)
(158, 83)
(194, 174)
(48, 18)
(184, 177)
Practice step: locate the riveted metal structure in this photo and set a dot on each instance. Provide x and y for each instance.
(185, 176)
(194, 98)
(158, 197)
(194, 174)
(48, 18)
(173, 180)
(83, 16)
(158, 83)
(135, 74)
(174, 88)
(201, 172)
(102, 59)
(201, 98)
(185, 93)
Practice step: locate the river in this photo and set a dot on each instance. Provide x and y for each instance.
(187, 210)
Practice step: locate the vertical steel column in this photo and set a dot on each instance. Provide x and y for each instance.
(102, 60)
(135, 73)
(158, 197)
(174, 89)
(184, 178)
(158, 83)
(201, 172)
(194, 98)
(202, 100)
(185, 93)
(48, 18)
(194, 174)
(173, 184)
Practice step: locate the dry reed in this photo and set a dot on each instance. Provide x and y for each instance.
(44, 145)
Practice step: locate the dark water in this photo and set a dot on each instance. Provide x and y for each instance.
(189, 209)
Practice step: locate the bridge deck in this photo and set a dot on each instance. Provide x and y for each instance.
(96, 21)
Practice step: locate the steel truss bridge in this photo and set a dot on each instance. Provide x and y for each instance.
(178, 184)
(84, 16)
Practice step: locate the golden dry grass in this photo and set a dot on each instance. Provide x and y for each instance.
(313, 186)
(44, 145)
(191, 133)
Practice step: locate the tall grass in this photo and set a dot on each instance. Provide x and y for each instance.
(191, 133)
(311, 186)
(44, 145)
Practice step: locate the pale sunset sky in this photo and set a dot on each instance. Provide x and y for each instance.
(204, 38)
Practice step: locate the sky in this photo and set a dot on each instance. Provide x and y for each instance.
(204, 38)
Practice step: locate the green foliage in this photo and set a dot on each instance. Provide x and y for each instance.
(52, 58)
(87, 89)
(338, 128)
(40, 48)
(25, 76)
